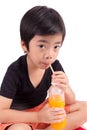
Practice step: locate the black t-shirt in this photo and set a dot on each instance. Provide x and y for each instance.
(16, 85)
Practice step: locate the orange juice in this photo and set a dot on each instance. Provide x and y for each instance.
(57, 101)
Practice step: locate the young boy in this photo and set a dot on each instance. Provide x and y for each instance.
(23, 102)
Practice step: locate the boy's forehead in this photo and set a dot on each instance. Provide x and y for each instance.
(50, 39)
(56, 37)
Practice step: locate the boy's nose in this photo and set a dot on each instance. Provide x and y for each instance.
(48, 55)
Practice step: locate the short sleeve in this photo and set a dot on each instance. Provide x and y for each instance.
(9, 84)
(57, 66)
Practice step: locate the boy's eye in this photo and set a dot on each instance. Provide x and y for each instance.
(57, 47)
(41, 46)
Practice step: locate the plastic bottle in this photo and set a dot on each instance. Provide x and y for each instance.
(56, 99)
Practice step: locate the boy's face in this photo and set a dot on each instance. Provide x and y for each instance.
(43, 50)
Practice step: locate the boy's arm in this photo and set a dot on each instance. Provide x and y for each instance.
(69, 95)
(46, 114)
(8, 115)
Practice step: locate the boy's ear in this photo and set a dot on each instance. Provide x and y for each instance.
(24, 46)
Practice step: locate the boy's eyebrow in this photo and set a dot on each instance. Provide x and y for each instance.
(44, 41)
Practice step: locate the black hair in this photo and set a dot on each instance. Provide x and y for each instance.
(41, 20)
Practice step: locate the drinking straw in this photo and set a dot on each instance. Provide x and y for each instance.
(52, 72)
(51, 68)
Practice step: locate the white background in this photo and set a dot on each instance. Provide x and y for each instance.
(74, 50)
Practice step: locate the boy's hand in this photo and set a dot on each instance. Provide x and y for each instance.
(51, 115)
(60, 79)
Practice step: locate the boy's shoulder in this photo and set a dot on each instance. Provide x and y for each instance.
(20, 63)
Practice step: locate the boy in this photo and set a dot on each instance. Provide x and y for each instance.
(23, 103)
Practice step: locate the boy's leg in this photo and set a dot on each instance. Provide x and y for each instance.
(77, 115)
(75, 118)
(20, 126)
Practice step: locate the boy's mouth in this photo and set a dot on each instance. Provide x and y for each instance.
(46, 65)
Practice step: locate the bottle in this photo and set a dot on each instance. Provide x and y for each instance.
(56, 99)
